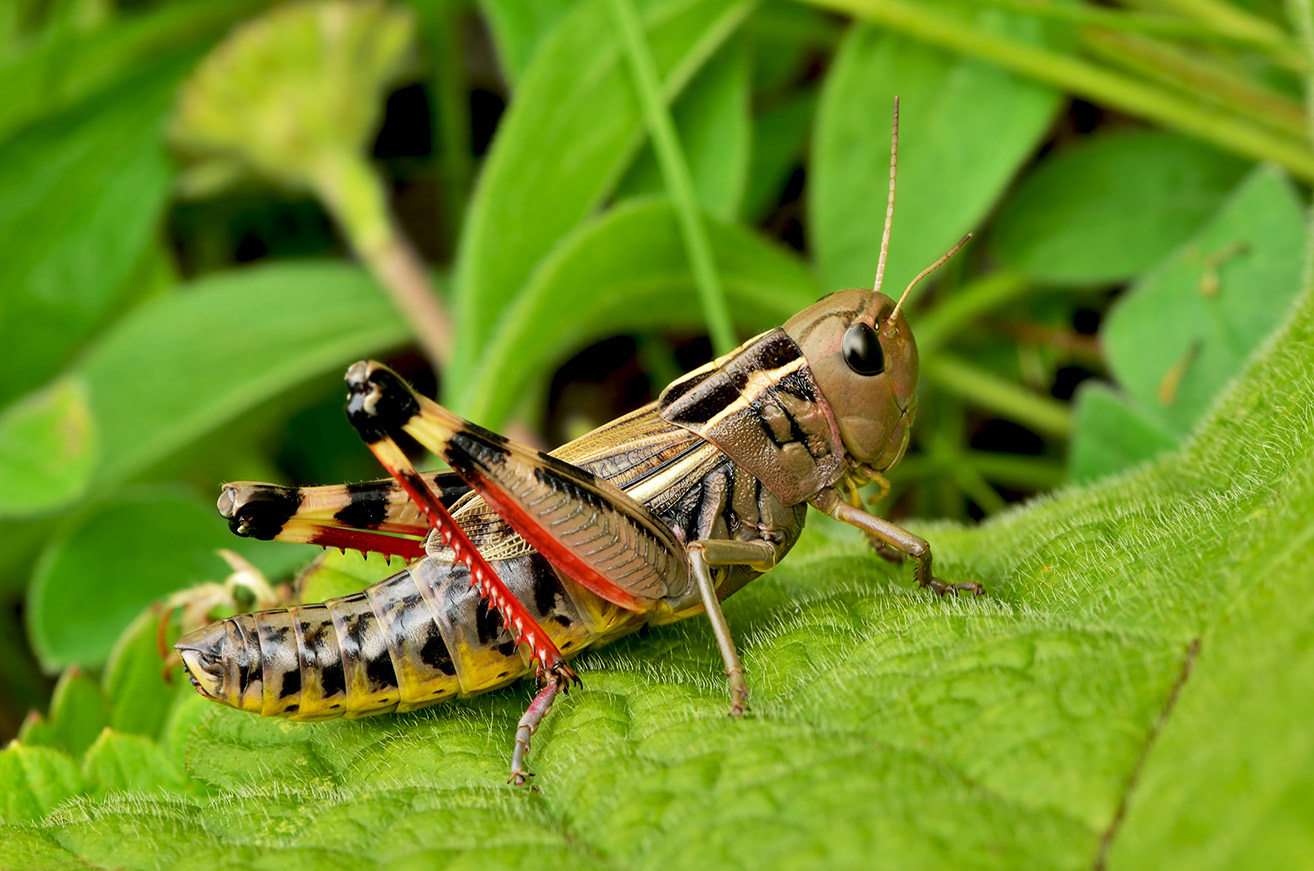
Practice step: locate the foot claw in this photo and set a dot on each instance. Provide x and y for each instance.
(519, 778)
(940, 588)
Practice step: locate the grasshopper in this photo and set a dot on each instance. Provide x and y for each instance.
(520, 559)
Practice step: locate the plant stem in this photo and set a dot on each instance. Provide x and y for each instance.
(1303, 18)
(675, 170)
(961, 378)
(1197, 77)
(356, 196)
(1085, 79)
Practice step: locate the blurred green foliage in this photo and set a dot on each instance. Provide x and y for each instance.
(189, 268)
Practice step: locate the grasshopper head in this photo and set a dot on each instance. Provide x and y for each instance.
(865, 363)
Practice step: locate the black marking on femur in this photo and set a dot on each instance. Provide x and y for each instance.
(862, 350)
(378, 403)
(465, 450)
(435, 654)
(367, 508)
(380, 672)
(292, 708)
(566, 470)
(264, 512)
(564, 622)
(291, 684)
(449, 487)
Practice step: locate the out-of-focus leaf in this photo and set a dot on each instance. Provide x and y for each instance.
(292, 91)
(139, 699)
(627, 270)
(518, 29)
(80, 197)
(780, 138)
(576, 103)
(965, 127)
(1109, 434)
(179, 367)
(47, 448)
(336, 573)
(1183, 332)
(713, 120)
(1112, 206)
(68, 65)
(78, 713)
(114, 560)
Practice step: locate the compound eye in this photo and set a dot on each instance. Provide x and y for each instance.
(862, 350)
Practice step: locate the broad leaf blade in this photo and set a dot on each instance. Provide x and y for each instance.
(1112, 207)
(964, 129)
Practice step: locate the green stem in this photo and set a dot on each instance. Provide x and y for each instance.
(1223, 17)
(1198, 77)
(961, 378)
(675, 170)
(1302, 15)
(1085, 79)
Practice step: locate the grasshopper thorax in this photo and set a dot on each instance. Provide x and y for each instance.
(865, 365)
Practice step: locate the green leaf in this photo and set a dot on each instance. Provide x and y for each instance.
(965, 128)
(77, 713)
(335, 573)
(1112, 206)
(181, 366)
(84, 192)
(576, 101)
(1109, 433)
(67, 65)
(712, 117)
(627, 270)
(133, 681)
(47, 448)
(116, 558)
(518, 28)
(780, 138)
(33, 780)
(1185, 330)
(117, 762)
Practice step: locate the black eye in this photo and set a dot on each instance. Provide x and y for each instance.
(862, 350)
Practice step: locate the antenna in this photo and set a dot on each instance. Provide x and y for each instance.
(889, 207)
(925, 272)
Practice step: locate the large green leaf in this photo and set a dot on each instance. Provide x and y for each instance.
(1183, 331)
(1131, 693)
(576, 102)
(965, 128)
(181, 366)
(83, 193)
(1112, 207)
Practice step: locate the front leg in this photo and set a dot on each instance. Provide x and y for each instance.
(893, 536)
